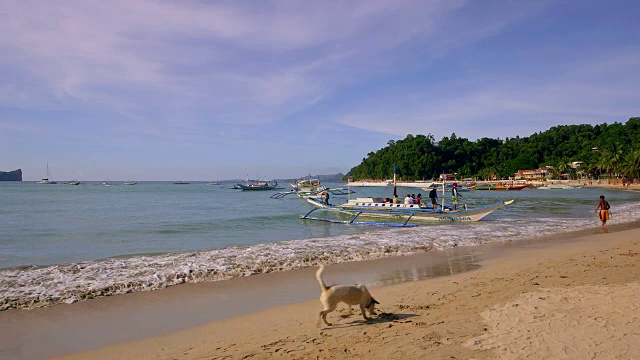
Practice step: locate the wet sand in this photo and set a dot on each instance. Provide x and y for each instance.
(440, 304)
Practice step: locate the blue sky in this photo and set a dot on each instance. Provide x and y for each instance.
(206, 90)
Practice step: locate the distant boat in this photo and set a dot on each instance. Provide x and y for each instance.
(556, 187)
(213, 183)
(181, 183)
(73, 182)
(47, 180)
(258, 185)
(369, 183)
(500, 186)
(129, 183)
(309, 184)
(106, 183)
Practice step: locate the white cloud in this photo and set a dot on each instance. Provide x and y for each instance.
(265, 54)
(198, 74)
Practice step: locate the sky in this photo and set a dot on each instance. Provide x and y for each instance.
(213, 90)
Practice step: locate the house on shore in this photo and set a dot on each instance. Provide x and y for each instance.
(540, 174)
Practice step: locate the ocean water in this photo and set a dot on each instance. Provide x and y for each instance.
(61, 243)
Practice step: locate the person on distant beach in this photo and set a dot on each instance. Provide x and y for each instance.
(603, 206)
(454, 196)
(433, 195)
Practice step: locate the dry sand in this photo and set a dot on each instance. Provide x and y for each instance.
(570, 300)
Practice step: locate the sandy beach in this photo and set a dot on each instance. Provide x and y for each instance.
(568, 298)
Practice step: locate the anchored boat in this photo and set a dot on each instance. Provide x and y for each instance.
(500, 186)
(418, 212)
(48, 180)
(257, 185)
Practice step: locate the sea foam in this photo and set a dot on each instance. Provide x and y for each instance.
(32, 287)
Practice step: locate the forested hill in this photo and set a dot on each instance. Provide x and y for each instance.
(422, 157)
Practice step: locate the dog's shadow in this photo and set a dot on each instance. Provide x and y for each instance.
(382, 317)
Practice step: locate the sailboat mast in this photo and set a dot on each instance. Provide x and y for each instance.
(443, 191)
(348, 183)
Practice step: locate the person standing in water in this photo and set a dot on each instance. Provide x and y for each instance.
(454, 196)
(603, 206)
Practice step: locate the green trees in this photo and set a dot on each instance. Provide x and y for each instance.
(604, 149)
(561, 167)
(631, 164)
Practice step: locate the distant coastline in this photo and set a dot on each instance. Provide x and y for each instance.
(15, 175)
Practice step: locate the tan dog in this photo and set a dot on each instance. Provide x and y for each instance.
(348, 294)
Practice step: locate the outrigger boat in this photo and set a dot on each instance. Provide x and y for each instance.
(559, 185)
(384, 207)
(500, 186)
(317, 193)
(309, 184)
(418, 212)
(306, 188)
(257, 185)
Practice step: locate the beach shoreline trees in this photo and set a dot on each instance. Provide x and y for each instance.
(604, 150)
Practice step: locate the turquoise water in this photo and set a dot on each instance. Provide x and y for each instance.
(62, 243)
(53, 224)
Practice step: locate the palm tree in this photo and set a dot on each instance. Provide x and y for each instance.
(592, 169)
(611, 160)
(631, 164)
(562, 167)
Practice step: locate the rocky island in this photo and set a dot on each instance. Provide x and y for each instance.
(15, 175)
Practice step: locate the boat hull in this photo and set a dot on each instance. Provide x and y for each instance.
(559, 187)
(257, 188)
(46, 182)
(499, 187)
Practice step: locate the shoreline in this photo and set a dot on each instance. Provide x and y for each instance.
(133, 271)
(588, 184)
(160, 316)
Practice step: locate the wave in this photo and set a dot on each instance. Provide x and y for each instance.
(30, 287)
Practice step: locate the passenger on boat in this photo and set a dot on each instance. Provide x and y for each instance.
(419, 199)
(395, 199)
(408, 200)
(433, 195)
(326, 197)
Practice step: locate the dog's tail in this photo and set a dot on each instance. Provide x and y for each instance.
(319, 277)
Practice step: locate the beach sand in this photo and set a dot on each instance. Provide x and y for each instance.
(568, 298)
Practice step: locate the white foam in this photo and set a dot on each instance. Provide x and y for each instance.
(33, 287)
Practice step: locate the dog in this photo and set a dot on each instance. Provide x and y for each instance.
(349, 294)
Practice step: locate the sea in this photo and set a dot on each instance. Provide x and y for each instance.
(62, 243)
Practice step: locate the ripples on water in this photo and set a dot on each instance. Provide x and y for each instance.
(94, 241)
